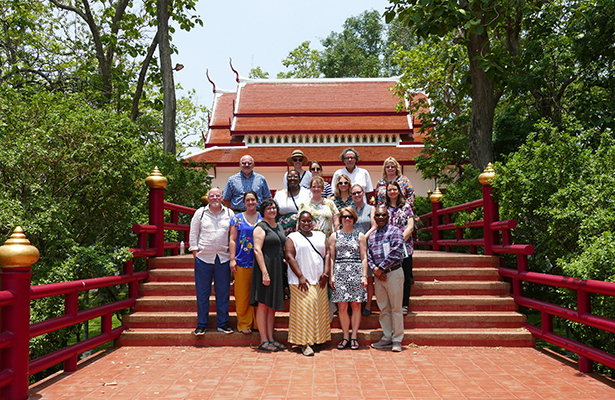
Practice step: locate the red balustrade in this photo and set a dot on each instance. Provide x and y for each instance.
(16, 259)
(439, 220)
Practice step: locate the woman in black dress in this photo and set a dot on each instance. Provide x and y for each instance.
(267, 291)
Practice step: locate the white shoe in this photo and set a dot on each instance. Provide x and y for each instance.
(396, 347)
(307, 350)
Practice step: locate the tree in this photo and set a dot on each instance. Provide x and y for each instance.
(303, 61)
(168, 84)
(490, 33)
(258, 73)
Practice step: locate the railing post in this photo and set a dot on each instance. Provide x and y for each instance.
(490, 209)
(156, 183)
(16, 259)
(436, 205)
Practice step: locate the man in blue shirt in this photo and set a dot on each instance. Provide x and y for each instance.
(246, 179)
(384, 256)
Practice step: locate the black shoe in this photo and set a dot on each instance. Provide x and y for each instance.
(225, 329)
(200, 330)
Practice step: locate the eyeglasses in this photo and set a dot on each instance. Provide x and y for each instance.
(349, 158)
(343, 183)
(347, 217)
(214, 196)
(357, 193)
(316, 169)
(247, 164)
(297, 159)
(390, 167)
(381, 215)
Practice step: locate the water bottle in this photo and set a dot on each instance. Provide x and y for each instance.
(181, 248)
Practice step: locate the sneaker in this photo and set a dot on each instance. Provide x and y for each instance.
(382, 344)
(200, 330)
(307, 351)
(396, 347)
(225, 329)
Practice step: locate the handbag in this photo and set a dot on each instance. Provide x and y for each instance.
(418, 223)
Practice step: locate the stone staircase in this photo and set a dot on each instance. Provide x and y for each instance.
(457, 300)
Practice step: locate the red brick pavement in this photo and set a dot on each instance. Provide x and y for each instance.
(244, 373)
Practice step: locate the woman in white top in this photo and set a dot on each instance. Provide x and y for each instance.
(289, 200)
(308, 261)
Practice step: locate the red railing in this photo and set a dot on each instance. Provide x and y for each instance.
(440, 220)
(17, 257)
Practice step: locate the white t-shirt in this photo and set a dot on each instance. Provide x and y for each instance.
(286, 203)
(358, 176)
(310, 263)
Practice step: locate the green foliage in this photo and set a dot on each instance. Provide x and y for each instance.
(258, 73)
(73, 177)
(303, 63)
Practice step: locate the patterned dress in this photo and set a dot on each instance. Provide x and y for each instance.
(348, 269)
(323, 213)
(339, 203)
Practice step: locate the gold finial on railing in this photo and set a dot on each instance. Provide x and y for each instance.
(429, 192)
(17, 251)
(487, 176)
(205, 199)
(155, 180)
(436, 196)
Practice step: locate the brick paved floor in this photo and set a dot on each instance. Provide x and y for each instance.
(243, 373)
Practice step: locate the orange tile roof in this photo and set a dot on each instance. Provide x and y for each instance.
(322, 124)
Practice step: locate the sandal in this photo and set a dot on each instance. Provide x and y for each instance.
(354, 344)
(343, 344)
(268, 347)
(246, 331)
(278, 345)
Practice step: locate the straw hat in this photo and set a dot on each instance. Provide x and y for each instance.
(297, 153)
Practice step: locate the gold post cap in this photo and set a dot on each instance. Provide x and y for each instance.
(436, 196)
(155, 180)
(205, 199)
(17, 251)
(487, 176)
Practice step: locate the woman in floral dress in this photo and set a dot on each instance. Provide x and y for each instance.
(325, 213)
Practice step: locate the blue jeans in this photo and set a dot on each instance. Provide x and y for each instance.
(203, 274)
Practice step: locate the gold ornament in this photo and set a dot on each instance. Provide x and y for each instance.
(436, 196)
(156, 180)
(17, 251)
(487, 176)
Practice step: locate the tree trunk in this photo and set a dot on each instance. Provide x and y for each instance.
(168, 114)
(483, 105)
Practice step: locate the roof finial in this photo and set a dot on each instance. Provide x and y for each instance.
(230, 61)
(209, 79)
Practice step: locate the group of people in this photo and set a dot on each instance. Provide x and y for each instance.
(324, 246)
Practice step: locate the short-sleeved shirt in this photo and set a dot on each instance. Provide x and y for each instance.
(323, 213)
(244, 252)
(398, 217)
(358, 176)
(238, 184)
(364, 222)
(407, 190)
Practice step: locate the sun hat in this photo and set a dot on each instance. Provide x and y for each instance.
(297, 153)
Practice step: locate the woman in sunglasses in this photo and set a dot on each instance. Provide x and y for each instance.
(348, 248)
(365, 224)
(342, 192)
(316, 170)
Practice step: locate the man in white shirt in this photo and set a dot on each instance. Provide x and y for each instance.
(209, 244)
(357, 175)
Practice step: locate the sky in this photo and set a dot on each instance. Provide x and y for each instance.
(254, 33)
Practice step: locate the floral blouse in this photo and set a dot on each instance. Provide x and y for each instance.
(407, 190)
(398, 216)
(323, 213)
(244, 253)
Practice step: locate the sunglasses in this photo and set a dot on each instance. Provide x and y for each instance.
(297, 159)
(381, 215)
(347, 217)
(316, 169)
(246, 163)
(343, 183)
(356, 193)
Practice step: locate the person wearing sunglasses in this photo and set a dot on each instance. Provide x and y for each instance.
(298, 160)
(246, 179)
(316, 170)
(342, 192)
(348, 280)
(391, 171)
(366, 224)
(384, 256)
(350, 158)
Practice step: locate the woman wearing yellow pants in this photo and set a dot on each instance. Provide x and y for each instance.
(241, 247)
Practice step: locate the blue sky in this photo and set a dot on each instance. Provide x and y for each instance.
(255, 33)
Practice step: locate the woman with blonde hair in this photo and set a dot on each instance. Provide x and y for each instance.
(342, 192)
(391, 171)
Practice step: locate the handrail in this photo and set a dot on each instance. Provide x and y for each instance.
(497, 239)
(16, 294)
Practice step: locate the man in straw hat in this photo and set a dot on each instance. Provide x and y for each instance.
(297, 160)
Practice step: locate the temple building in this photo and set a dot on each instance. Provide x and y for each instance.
(269, 118)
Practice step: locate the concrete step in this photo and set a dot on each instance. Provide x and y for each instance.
(519, 337)
(415, 319)
(172, 275)
(171, 262)
(456, 274)
(462, 303)
(441, 259)
(459, 288)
